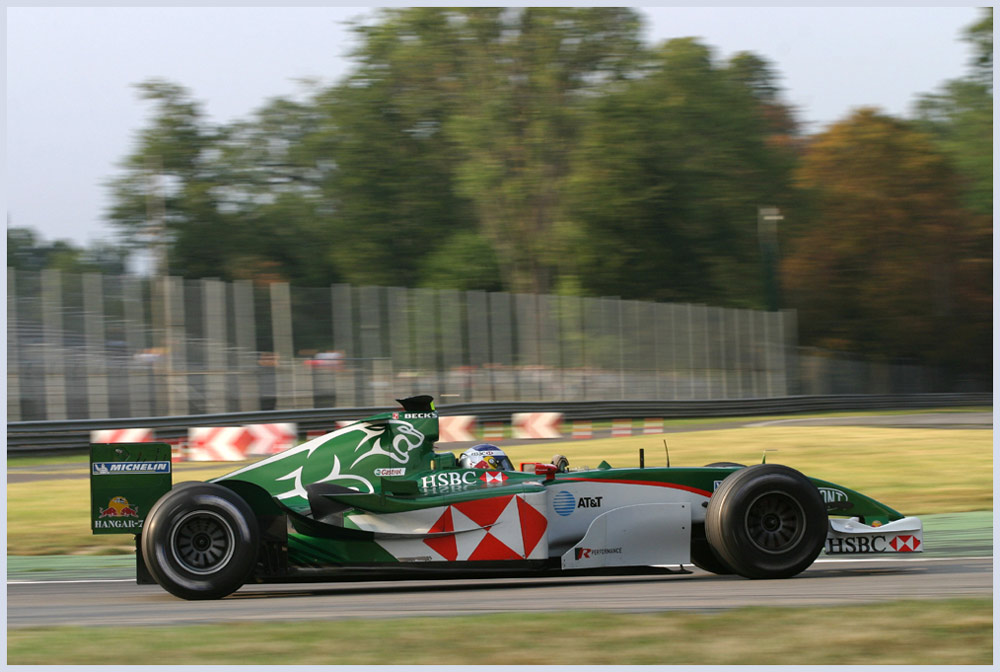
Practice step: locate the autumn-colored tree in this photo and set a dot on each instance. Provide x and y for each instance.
(892, 265)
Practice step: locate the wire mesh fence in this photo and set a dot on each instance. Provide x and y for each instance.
(90, 346)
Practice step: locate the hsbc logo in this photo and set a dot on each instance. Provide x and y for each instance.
(902, 543)
(448, 479)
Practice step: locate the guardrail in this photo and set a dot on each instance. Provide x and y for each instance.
(52, 436)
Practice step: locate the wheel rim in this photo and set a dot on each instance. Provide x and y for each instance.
(775, 522)
(202, 542)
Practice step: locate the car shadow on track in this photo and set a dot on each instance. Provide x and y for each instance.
(452, 585)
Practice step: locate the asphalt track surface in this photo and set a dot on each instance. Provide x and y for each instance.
(117, 603)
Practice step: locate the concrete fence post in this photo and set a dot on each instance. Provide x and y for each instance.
(139, 398)
(93, 320)
(245, 335)
(53, 351)
(281, 328)
(13, 357)
(214, 309)
(174, 359)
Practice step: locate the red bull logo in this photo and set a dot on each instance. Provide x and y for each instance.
(119, 507)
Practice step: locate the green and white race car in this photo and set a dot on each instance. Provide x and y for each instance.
(374, 500)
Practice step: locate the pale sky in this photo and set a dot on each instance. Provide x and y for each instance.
(72, 113)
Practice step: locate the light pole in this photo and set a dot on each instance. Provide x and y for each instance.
(767, 234)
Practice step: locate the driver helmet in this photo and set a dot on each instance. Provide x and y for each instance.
(485, 456)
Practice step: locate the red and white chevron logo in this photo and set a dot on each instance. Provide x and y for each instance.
(493, 477)
(508, 529)
(905, 543)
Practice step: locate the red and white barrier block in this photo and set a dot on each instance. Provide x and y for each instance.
(133, 435)
(492, 431)
(232, 444)
(178, 449)
(652, 426)
(536, 425)
(456, 428)
(621, 427)
(582, 429)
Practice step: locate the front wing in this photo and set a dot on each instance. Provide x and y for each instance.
(850, 537)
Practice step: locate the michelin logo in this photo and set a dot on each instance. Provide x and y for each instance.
(109, 468)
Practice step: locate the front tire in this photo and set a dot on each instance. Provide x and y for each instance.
(200, 541)
(767, 521)
(704, 557)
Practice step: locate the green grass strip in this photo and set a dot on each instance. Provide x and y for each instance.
(930, 632)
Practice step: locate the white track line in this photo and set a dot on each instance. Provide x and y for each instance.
(12, 583)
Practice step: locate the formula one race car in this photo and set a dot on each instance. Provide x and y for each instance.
(374, 500)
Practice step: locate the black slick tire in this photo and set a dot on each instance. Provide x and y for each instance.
(766, 521)
(200, 541)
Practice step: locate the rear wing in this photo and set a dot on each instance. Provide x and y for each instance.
(126, 479)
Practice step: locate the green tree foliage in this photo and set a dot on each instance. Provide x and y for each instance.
(960, 117)
(526, 83)
(892, 265)
(461, 120)
(670, 173)
(26, 251)
(165, 194)
(391, 187)
(237, 201)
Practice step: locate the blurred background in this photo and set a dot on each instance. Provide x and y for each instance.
(518, 204)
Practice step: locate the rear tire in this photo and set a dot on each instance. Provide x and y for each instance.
(767, 521)
(200, 541)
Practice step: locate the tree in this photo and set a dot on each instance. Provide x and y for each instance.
(527, 82)
(669, 175)
(892, 265)
(236, 201)
(390, 187)
(165, 197)
(27, 251)
(960, 117)
(462, 120)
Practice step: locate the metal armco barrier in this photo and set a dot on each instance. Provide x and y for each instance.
(74, 435)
